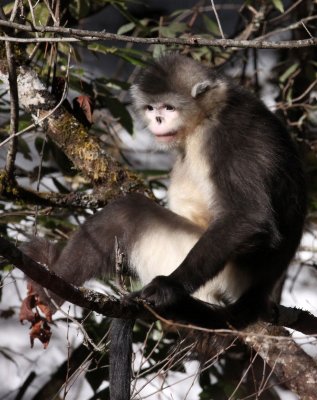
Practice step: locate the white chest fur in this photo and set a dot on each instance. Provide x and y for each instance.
(191, 192)
(192, 195)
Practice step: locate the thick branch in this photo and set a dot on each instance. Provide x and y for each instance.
(11, 190)
(110, 306)
(108, 177)
(85, 35)
(289, 362)
(103, 304)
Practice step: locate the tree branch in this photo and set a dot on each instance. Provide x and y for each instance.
(108, 177)
(289, 362)
(92, 300)
(11, 190)
(86, 35)
(14, 106)
(112, 307)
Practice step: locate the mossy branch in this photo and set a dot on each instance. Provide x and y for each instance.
(108, 177)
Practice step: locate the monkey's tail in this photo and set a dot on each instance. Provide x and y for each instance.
(41, 250)
(46, 253)
(120, 358)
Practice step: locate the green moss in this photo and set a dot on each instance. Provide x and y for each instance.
(8, 187)
(2, 51)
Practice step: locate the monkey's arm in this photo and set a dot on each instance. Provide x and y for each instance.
(228, 237)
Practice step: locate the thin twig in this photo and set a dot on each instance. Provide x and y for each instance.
(14, 110)
(265, 384)
(291, 27)
(51, 13)
(310, 87)
(87, 338)
(243, 376)
(306, 29)
(57, 12)
(68, 358)
(217, 19)
(39, 175)
(40, 120)
(286, 12)
(32, 14)
(15, 10)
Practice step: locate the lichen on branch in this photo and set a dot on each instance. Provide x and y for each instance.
(108, 177)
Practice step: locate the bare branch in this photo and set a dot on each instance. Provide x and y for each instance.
(14, 99)
(103, 304)
(86, 35)
(11, 190)
(14, 110)
(14, 11)
(293, 26)
(13, 39)
(290, 363)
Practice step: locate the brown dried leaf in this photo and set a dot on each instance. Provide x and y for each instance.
(46, 311)
(40, 328)
(26, 310)
(83, 108)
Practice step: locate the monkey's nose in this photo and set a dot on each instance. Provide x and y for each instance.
(159, 120)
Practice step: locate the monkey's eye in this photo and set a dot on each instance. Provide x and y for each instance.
(149, 108)
(168, 107)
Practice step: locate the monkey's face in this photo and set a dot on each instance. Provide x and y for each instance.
(164, 121)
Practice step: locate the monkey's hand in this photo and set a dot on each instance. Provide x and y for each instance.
(165, 294)
(173, 302)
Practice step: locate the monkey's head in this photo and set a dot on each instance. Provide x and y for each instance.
(174, 95)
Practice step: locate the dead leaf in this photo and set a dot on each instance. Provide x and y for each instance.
(40, 330)
(83, 108)
(30, 311)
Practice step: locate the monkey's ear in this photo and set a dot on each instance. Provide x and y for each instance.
(134, 91)
(201, 87)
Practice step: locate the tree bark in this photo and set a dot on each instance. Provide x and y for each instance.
(291, 365)
(108, 177)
